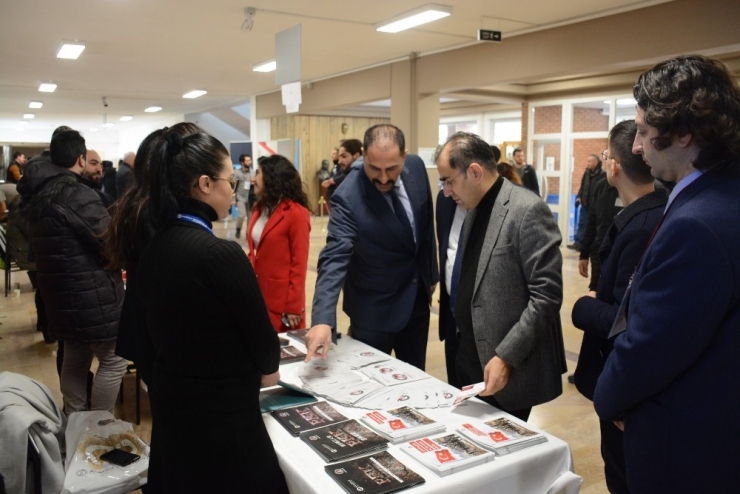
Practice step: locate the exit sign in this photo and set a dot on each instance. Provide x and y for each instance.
(486, 35)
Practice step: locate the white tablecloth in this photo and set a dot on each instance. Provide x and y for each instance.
(544, 468)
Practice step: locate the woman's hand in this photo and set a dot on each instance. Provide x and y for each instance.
(270, 379)
(294, 320)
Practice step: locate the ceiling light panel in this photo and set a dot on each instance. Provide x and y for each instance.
(47, 87)
(268, 66)
(153, 109)
(417, 17)
(35, 104)
(70, 51)
(196, 93)
(126, 118)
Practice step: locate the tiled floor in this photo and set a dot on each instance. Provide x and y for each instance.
(570, 417)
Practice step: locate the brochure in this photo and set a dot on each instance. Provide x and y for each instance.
(306, 417)
(379, 473)
(448, 454)
(343, 440)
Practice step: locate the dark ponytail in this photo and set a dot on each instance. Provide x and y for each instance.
(177, 162)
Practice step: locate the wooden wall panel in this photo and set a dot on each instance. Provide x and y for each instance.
(318, 135)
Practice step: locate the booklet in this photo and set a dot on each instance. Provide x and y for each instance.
(342, 440)
(501, 435)
(306, 417)
(280, 397)
(448, 454)
(379, 473)
(468, 392)
(401, 424)
(290, 354)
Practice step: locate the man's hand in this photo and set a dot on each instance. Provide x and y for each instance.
(318, 341)
(583, 267)
(270, 379)
(326, 183)
(496, 376)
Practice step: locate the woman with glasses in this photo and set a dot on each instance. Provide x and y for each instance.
(209, 360)
(278, 239)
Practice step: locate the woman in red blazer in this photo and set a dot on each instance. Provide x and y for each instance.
(278, 238)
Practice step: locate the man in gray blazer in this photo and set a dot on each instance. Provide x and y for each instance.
(509, 288)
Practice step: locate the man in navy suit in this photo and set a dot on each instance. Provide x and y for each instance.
(450, 218)
(672, 382)
(380, 248)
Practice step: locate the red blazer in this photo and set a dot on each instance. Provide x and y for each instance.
(280, 260)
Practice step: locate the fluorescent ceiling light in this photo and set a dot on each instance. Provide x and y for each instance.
(626, 102)
(428, 13)
(196, 93)
(28, 116)
(268, 66)
(126, 118)
(47, 87)
(153, 109)
(71, 50)
(35, 104)
(108, 125)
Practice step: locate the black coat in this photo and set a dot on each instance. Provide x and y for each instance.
(620, 252)
(83, 301)
(211, 339)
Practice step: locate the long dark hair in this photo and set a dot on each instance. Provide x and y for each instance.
(176, 163)
(119, 238)
(280, 180)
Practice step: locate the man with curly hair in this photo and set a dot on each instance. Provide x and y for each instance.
(672, 382)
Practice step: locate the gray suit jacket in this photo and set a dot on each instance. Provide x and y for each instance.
(517, 297)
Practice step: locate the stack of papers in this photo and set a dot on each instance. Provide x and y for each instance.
(448, 454)
(401, 424)
(501, 435)
(391, 373)
(432, 395)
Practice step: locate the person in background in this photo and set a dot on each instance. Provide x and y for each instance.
(526, 171)
(672, 376)
(591, 186)
(620, 252)
(83, 301)
(125, 239)
(207, 326)
(278, 238)
(93, 174)
(349, 152)
(15, 170)
(244, 193)
(109, 179)
(125, 175)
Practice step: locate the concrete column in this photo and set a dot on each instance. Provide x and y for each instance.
(417, 115)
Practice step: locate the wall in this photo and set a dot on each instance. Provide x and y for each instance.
(216, 127)
(318, 135)
(130, 139)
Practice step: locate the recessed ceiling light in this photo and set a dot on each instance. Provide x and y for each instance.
(35, 104)
(94, 129)
(108, 125)
(422, 15)
(126, 118)
(153, 109)
(70, 50)
(268, 66)
(196, 93)
(28, 116)
(47, 87)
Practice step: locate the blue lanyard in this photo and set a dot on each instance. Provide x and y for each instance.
(195, 220)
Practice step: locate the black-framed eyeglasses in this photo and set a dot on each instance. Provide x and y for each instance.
(605, 156)
(234, 183)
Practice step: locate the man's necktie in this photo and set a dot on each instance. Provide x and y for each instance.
(456, 267)
(401, 212)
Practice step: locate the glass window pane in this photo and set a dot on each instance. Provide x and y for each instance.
(592, 116)
(547, 119)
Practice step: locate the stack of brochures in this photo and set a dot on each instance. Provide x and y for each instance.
(306, 417)
(447, 454)
(401, 424)
(395, 372)
(379, 473)
(343, 440)
(290, 354)
(501, 435)
(298, 335)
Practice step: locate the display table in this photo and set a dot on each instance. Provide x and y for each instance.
(544, 468)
